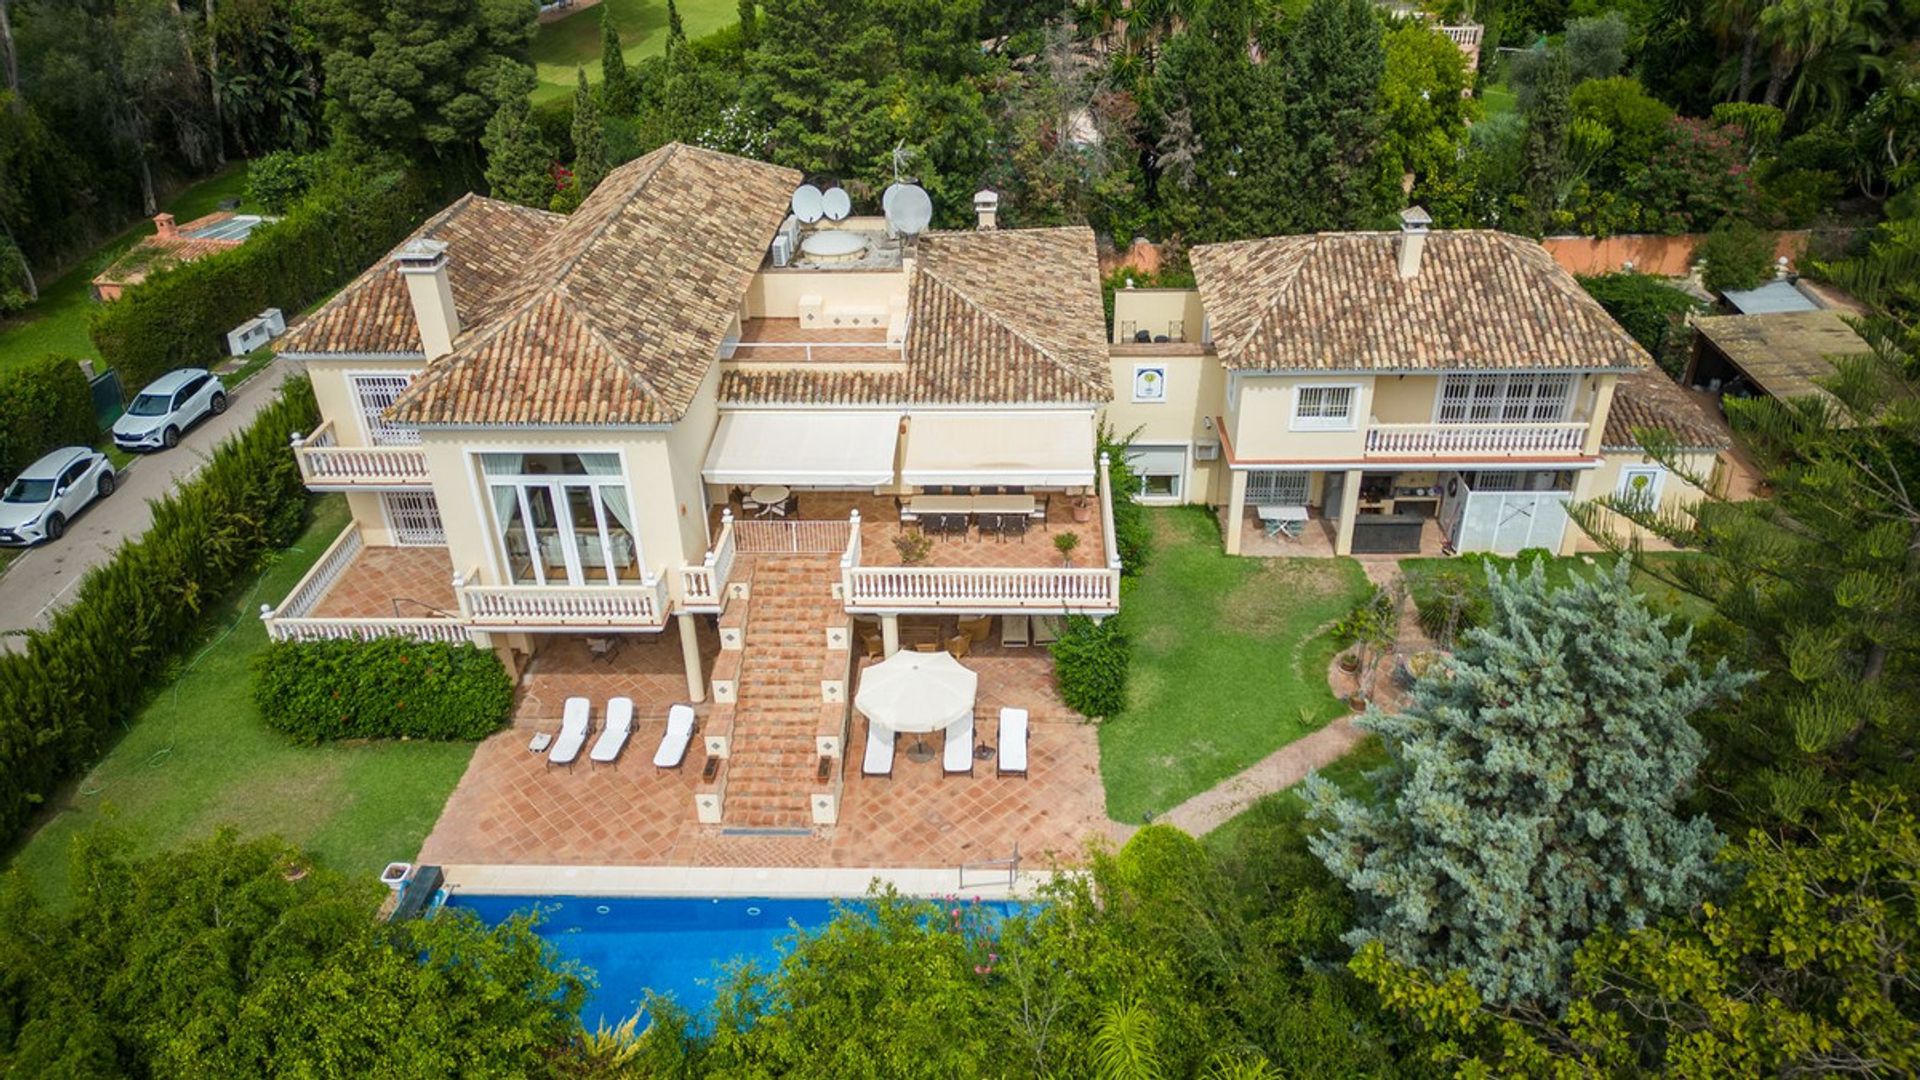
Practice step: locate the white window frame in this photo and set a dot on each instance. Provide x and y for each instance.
(577, 574)
(1277, 487)
(377, 432)
(1322, 422)
(1179, 491)
(1505, 398)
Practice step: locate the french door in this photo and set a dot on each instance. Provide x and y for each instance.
(563, 519)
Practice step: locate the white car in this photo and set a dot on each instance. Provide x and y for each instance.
(169, 405)
(46, 494)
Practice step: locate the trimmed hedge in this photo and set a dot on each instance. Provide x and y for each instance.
(179, 317)
(136, 615)
(44, 404)
(380, 689)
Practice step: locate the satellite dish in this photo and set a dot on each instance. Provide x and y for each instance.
(806, 203)
(836, 203)
(909, 211)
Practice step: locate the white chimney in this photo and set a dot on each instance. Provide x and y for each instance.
(423, 264)
(986, 205)
(1414, 223)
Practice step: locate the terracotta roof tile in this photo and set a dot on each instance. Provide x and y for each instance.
(488, 244)
(617, 317)
(1000, 316)
(158, 252)
(1649, 399)
(1336, 301)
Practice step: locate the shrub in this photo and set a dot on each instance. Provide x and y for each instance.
(277, 181)
(1738, 256)
(381, 688)
(1653, 311)
(44, 404)
(1132, 536)
(1090, 663)
(179, 317)
(1697, 179)
(138, 613)
(1637, 119)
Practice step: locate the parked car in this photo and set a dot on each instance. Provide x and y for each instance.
(169, 405)
(46, 494)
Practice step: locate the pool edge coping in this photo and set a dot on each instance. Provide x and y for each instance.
(772, 882)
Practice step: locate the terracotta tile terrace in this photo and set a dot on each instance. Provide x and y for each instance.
(880, 525)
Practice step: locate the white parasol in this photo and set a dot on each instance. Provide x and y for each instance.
(916, 692)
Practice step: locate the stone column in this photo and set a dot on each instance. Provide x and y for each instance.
(1236, 508)
(690, 653)
(890, 634)
(1349, 508)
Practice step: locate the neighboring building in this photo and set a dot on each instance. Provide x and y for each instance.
(1381, 392)
(171, 245)
(1783, 354)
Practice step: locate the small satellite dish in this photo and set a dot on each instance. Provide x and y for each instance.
(836, 203)
(806, 203)
(909, 210)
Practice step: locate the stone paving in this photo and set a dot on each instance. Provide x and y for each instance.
(392, 582)
(645, 667)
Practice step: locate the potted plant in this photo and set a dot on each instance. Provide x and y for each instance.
(1082, 508)
(913, 547)
(1065, 542)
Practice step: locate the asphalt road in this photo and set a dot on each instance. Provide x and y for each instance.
(40, 579)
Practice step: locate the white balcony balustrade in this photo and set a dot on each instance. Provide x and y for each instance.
(544, 607)
(1477, 440)
(327, 466)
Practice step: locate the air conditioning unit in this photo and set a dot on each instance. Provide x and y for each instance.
(782, 250)
(276, 322)
(1206, 451)
(247, 337)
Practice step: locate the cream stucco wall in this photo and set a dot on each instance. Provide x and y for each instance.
(1262, 421)
(1158, 311)
(1675, 492)
(333, 391)
(1195, 389)
(776, 294)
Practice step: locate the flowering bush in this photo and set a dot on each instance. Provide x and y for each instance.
(1698, 179)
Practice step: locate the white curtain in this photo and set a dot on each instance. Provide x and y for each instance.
(613, 496)
(503, 464)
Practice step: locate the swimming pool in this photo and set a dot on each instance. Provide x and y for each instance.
(670, 945)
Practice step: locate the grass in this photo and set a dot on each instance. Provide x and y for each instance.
(58, 322)
(573, 42)
(1289, 807)
(1229, 663)
(198, 757)
(1424, 576)
(1497, 100)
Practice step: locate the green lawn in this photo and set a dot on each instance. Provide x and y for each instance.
(1229, 663)
(1290, 807)
(1497, 100)
(58, 323)
(197, 757)
(561, 47)
(1424, 577)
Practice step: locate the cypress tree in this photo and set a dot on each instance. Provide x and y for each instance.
(1531, 795)
(749, 24)
(1548, 123)
(616, 82)
(1334, 65)
(589, 140)
(518, 162)
(676, 30)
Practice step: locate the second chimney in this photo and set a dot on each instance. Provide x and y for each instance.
(1414, 224)
(423, 265)
(986, 205)
(164, 227)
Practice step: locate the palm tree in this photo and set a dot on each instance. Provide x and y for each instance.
(1736, 21)
(1801, 32)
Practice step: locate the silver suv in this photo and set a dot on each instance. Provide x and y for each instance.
(169, 405)
(46, 494)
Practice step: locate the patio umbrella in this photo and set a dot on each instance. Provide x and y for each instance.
(916, 692)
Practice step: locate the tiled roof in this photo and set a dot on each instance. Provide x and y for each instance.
(488, 242)
(994, 317)
(1336, 301)
(618, 316)
(1649, 399)
(157, 252)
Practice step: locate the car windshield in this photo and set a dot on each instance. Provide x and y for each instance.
(150, 405)
(29, 491)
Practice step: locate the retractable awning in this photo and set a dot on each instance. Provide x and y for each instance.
(1042, 449)
(804, 449)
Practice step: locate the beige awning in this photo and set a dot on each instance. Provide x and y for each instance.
(1041, 449)
(803, 449)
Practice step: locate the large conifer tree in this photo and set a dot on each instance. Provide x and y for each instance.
(1333, 66)
(519, 164)
(1532, 792)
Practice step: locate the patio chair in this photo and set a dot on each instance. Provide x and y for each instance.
(1013, 742)
(989, 489)
(978, 630)
(673, 745)
(957, 645)
(1040, 508)
(575, 722)
(875, 645)
(1013, 525)
(957, 758)
(879, 758)
(613, 737)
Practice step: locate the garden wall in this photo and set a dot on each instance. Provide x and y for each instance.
(1665, 256)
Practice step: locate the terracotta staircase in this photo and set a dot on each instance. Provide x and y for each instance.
(783, 700)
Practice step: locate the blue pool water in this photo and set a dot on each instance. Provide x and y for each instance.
(670, 945)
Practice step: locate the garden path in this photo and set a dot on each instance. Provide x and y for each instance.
(1277, 771)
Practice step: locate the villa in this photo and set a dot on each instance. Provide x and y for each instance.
(694, 444)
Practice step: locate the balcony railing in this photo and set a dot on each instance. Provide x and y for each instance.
(543, 607)
(1477, 440)
(291, 621)
(1466, 37)
(703, 588)
(327, 466)
(951, 588)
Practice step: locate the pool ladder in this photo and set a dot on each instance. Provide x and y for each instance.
(1011, 864)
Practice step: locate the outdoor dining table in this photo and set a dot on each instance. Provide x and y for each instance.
(1004, 504)
(1277, 519)
(971, 504)
(768, 496)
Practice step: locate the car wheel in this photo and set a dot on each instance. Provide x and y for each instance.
(56, 527)
(219, 404)
(171, 439)
(105, 487)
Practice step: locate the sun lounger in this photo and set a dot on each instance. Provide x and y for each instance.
(958, 758)
(673, 745)
(1013, 631)
(879, 759)
(574, 724)
(613, 737)
(1013, 742)
(1046, 629)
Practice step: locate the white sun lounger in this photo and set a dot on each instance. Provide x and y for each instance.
(673, 745)
(1013, 742)
(879, 759)
(957, 760)
(613, 737)
(573, 732)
